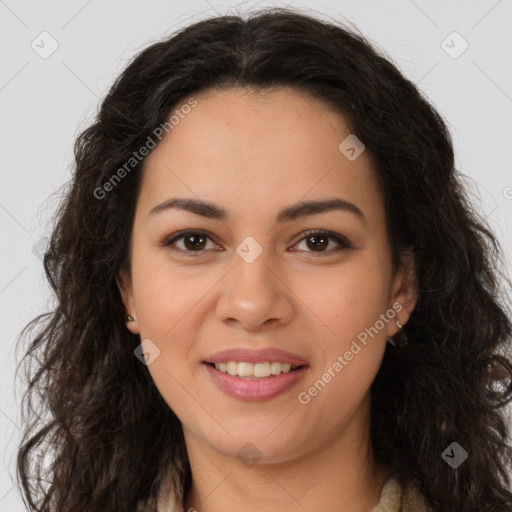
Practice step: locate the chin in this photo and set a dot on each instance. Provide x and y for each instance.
(261, 445)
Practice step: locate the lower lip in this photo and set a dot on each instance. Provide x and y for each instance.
(254, 390)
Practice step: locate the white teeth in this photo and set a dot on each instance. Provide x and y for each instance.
(232, 368)
(250, 370)
(262, 369)
(245, 369)
(275, 368)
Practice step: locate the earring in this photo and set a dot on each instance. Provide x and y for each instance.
(129, 318)
(402, 338)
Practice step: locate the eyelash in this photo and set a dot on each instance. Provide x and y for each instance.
(342, 241)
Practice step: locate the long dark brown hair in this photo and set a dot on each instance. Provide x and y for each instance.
(92, 409)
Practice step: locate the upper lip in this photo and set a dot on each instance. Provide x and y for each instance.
(256, 356)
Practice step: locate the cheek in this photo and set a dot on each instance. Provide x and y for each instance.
(166, 293)
(172, 304)
(173, 326)
(352, 355)
(352, 347)
(346, 300)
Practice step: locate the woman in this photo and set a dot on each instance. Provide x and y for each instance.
(272, 290)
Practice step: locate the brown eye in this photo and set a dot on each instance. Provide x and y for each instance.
(318, 241)
(193, 242)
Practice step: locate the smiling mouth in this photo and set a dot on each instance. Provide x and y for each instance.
(254, 371)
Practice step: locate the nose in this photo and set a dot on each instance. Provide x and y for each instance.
(255, 296)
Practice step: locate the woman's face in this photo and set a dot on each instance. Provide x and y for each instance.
(255, 280)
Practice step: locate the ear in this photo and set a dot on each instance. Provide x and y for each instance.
(405, 291)
(124, 283)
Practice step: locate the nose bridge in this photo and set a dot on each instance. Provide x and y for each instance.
(254, 293)
(253, 275)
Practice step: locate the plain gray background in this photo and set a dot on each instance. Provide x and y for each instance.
(45, 102)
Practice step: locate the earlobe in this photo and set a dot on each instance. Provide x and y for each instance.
(405, 290)
(126, 291)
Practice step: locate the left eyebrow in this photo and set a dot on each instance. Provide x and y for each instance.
(293, 212)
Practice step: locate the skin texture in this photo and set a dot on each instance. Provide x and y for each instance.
(254, 154)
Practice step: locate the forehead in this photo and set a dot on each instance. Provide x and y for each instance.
(251, 150)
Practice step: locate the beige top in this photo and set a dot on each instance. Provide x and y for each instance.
(392, 499)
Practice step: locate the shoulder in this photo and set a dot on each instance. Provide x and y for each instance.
(395, 498)
(164, 503)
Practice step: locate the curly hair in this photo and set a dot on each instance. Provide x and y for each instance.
(98, 414)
